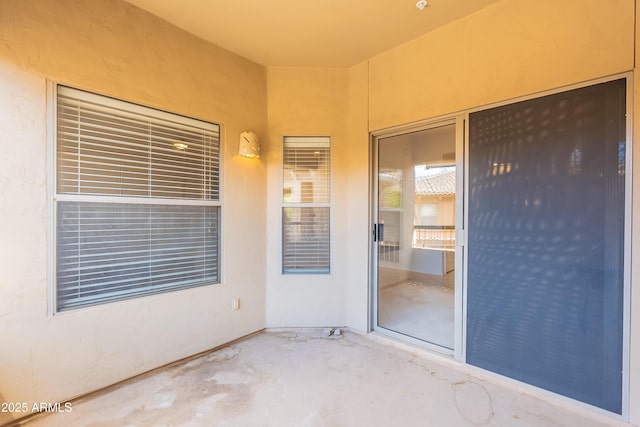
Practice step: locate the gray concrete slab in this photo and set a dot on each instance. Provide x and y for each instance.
(304, 378)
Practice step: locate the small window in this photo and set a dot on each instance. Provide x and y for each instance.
(137, 200)
(306, 209)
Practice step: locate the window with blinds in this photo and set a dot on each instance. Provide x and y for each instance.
(137, 200)
(306, 205)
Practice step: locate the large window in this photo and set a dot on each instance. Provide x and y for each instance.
(306, 205)
(137, 200)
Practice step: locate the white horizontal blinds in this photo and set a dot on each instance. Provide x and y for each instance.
(306, 240)
(162, 231)
(306, 169)
(111, 251)
(390, 188)
(110, 147)
(306, 205)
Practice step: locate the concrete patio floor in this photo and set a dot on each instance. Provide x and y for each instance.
(303, 378)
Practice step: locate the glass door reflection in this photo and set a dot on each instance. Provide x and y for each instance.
(416, 234)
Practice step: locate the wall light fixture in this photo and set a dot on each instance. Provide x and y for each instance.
(249, 145)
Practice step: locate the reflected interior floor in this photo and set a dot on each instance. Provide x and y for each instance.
(421, 309)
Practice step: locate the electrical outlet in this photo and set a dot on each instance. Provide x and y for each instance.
(235, 304)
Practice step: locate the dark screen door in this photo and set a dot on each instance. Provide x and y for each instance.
(546, 234)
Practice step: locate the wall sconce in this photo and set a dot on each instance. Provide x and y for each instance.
(249, 145)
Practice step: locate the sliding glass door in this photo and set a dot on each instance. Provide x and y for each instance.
(502, 237)
(415, 234)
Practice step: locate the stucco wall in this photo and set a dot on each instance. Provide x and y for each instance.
(307, 102)
(509, 49)
(358, 227)
(634, 372)
(111, 47)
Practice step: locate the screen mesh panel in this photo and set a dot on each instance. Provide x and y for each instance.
(546, 242)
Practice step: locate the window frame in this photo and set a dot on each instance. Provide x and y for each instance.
(53, 198)
(328, 205)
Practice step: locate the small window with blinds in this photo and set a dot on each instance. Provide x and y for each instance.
(306, 205)
(137, 200)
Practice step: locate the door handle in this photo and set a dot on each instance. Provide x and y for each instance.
(378, 232)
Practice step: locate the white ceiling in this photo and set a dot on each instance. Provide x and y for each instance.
(309, 33)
